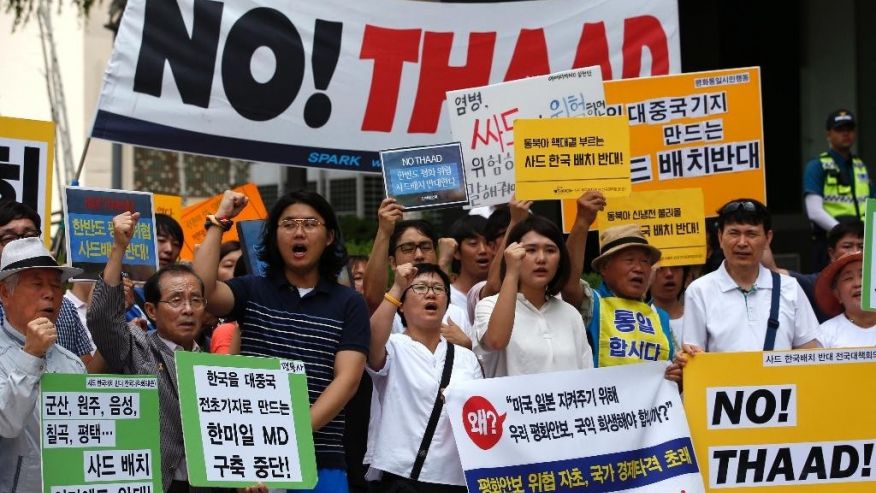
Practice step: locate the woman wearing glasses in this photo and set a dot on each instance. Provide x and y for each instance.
(297, 311)
(531, 329)
(407, 369)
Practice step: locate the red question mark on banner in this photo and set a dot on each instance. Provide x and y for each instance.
(482, 422)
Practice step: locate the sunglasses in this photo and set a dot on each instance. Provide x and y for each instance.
(745, 205)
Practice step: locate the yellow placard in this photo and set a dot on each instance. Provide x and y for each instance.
(557, 158)
(697, 130)
(672, 220)
(194, 216)
(28, 146)
(792, 421)
(170, 205)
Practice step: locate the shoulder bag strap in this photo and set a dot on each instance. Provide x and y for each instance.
(773, 323)
(436, 413)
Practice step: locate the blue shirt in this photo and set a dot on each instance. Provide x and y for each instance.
(276, 322)
(72, 335)
(813, 175)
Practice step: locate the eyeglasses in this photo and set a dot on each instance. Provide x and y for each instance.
(196, 302)
(422, 289)
(9, 237)
(424, 246)
(746, 205)
(308, 224)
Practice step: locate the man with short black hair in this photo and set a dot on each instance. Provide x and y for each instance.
(471, 260)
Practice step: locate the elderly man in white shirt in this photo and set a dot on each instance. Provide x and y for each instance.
(731, 309)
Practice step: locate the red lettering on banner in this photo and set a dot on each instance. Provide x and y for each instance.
(640, 32)
(437, 76)
(593, 49)
(530, 56)
(493, 130)
(390, 49)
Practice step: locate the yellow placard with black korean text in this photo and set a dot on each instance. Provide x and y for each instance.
(672, 220)
(193, 218)
(170, 205)
(692, 130)
(27, 155)
(792, 421)
(561, 158)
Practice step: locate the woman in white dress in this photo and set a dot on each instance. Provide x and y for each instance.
(838, 292)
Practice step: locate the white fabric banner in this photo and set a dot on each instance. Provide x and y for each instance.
(330, 83)
(620, 428)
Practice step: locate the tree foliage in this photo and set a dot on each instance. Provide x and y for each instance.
(23, 11)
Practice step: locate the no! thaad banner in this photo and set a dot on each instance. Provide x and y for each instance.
(330, 83)
(620, 428)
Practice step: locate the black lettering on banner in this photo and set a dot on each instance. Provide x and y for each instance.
(252, 99)
(326, 52)
(31, 176)
(762, 406)
(191, 59)
(275, 435)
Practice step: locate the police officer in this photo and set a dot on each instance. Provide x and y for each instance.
(835, 184)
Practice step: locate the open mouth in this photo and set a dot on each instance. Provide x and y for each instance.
(483, 263)
(47, 312)
(298, 251)
(431, 307)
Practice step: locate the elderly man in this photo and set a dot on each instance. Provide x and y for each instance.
(175, 302)
(30, 288)
(622, 328)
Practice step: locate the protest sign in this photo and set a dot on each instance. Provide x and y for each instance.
(620, 428)
(482, 118)
(100, 433)
(329, 83)
(868, 298)
(671, 220)
(27, 156)
(89, 225)
(170, 205)
(194, 216)
(245, 420)
(794, 421)
(250, 234)
(564, 157)
(697, 130)
(425, 177)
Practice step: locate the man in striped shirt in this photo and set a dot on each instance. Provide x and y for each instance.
(297, 311)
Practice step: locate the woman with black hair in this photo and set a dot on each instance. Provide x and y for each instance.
(531, 329)
(297, 310)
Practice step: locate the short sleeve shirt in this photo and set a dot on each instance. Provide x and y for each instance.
(840, 332)
(276, 321)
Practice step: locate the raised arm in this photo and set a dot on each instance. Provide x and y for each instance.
(519, 210)
(374, 284)
(220, 299)
(498, 333)
(381, 319)
(588, 205)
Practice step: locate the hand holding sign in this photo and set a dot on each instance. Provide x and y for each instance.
(231, 204)
(40, 336)
(389, 212)
(123, 228)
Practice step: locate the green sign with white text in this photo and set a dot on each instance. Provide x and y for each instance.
(245, 420)
(100, 433)
(868, 298)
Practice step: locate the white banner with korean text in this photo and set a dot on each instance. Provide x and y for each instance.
(621, 428)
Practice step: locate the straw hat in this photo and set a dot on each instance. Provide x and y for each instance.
(30, 253)
(617, 238)
(824, 297)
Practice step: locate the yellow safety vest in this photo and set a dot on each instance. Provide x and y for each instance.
(630, 332)
(838, 200)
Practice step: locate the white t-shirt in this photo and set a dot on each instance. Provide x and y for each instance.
(459, 300)
(719, 317)
(406, 386)
(840, 332)
(552, 338)
(676, 325)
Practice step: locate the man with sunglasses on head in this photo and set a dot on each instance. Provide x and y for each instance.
(19, 221)
(175, 301)
(742, 306)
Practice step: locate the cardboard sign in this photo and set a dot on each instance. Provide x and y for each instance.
(698, 130)
(170, 205)
(565, 157)
(868, 297)
(671, 220)
(100, 433)
(27, 156)
(194, 216)
(245, 420)
(620, 428)
(425, 177)
(792, 421)
(328, 84)
(482, 118)
(89, 225)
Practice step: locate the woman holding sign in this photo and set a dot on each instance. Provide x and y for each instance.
(414, 446)
(531, 329)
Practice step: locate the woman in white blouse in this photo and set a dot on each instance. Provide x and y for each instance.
(406, 369)
(838, 292)
(526, 323)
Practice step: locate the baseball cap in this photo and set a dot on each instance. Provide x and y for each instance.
(840, 118)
